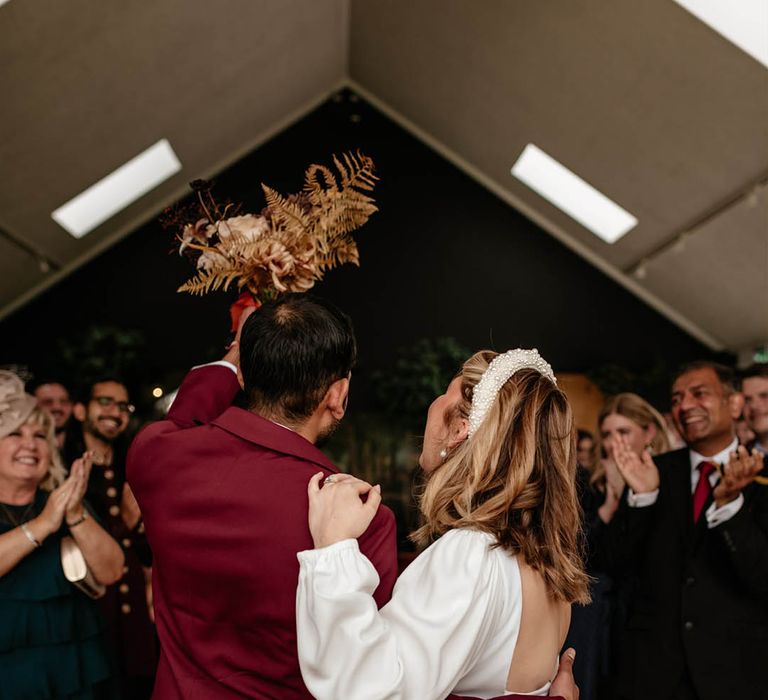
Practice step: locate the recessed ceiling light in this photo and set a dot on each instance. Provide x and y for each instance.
(742, 22)
(117, 190)
(568, 192)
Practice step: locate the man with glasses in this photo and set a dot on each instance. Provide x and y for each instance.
(103, 411)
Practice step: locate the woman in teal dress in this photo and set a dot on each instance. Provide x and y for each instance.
(51, 643)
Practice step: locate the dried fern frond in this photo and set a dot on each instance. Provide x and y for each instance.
(293, 242)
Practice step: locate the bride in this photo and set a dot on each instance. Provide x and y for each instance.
(484, 610)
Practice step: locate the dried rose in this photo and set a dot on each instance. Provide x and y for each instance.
(248, 227)
(209, 259)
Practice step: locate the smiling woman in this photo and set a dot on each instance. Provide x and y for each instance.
(50, 633)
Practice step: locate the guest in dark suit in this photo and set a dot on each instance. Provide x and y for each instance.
(223, 491)
(755, 389)
(692, 537)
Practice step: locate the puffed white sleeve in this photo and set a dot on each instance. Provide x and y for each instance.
(420, 644)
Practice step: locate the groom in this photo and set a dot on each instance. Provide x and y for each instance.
(223, 492)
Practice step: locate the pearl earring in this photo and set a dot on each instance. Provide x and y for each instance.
(443, 453)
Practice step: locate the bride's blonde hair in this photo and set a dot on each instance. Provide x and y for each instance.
(515, 478)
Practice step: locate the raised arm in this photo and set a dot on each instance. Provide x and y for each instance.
(20, 542)
(65, 504)
(744, 535)
(379, 545)
(419, 645)
(622, 540)
(103, 555)
(423, 641)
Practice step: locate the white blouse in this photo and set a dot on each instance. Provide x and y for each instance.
(451, 626)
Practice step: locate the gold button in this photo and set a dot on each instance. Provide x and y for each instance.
(109, 474)
(111, 492)
(126, 542)
(114, 510)
(123, 588)
(125, 608)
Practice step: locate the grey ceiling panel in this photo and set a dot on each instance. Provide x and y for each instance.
(718, 277)
(92, 84)
(18, 270)
(643, 101)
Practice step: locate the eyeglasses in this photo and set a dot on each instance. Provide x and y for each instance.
(108, 401)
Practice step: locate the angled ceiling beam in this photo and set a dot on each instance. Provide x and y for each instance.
(44, 262)
(753, 189)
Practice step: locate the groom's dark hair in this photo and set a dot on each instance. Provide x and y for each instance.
(291, 350)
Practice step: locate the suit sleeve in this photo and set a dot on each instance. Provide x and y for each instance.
(419, 645)
(623, 540)
(745, 538)
(379, 545)
(205, 394)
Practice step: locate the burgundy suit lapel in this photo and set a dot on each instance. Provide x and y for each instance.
(258, 430)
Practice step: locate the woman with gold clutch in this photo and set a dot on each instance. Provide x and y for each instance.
(51, 643)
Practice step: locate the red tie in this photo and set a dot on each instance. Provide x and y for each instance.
(703, 488)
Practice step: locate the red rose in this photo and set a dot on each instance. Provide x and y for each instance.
(245, 300)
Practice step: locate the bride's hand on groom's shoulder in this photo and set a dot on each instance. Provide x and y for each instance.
(337, 510)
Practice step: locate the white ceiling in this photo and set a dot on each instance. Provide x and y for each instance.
(642, 100)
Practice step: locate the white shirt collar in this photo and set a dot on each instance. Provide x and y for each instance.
(281, 425)
(721, 457)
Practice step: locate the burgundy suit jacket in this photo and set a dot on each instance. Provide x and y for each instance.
(223, 493)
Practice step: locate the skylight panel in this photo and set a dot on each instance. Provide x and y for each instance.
(742, 22)
(569, 193)
(117, 190)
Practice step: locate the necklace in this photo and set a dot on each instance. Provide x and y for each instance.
(11, 516)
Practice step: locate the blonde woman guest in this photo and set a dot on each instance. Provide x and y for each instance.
(50, 633)
(484, 610)
(624, 417)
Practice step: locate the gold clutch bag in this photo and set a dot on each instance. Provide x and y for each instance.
(76, 570)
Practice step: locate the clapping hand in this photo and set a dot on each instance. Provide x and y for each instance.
(614, 481)
(337, 511)
(614, 487)
(741, 470)
(79, 474)
(638, 471)
(129, 508)
(53, 512)
(66, 499)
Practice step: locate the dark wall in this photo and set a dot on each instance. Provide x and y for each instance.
(443, 257)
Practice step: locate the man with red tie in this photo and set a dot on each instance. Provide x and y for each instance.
(223, 492)
(690, 542)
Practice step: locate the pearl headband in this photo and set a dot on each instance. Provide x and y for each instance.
(501, 368)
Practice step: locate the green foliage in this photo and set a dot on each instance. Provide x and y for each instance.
(652, 384)
(101, 350)
(421, 372)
